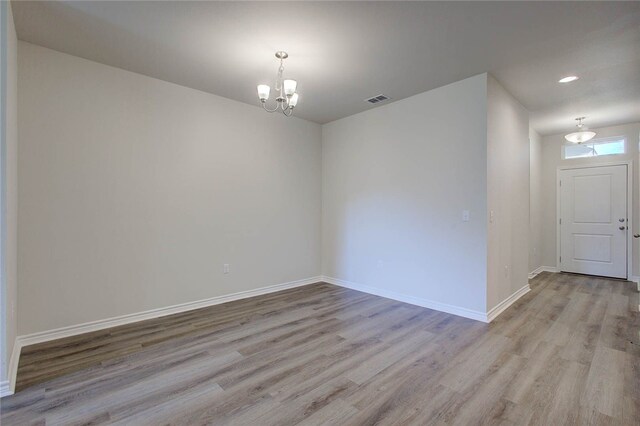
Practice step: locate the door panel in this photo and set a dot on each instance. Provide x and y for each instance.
(586, 207)
(595, 248)
(593, 208)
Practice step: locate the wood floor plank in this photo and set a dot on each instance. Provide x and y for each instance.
(336, 413)
(476, 405)
(562, 408)
(466, 368)
(389, 356)
(605, 385)
(566, 353)
(533, 372)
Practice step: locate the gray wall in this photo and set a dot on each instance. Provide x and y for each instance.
(396, 180)
(9, 185)
(535, 201)
(508, 194)
(134, 192)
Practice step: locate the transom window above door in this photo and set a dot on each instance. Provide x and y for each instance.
(595, 148)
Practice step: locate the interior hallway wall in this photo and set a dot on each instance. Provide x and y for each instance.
(535, 201)
(9, 184)
(552, 159)
(507, 194)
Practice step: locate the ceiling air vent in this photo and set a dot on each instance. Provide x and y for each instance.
(376, 99)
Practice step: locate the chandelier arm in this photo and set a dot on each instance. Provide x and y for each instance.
(290, 112)
(264, 106)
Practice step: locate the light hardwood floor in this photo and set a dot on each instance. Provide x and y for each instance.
(566, 353)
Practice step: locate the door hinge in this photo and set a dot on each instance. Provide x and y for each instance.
(560, 221)
(560, 259)
(560, 183)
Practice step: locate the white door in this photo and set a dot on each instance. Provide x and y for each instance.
(593, 221)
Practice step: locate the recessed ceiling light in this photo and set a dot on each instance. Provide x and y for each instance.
(568, 79)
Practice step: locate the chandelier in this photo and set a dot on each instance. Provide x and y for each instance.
(582, 135)
(287, 97)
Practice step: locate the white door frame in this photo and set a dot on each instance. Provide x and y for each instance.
(629, 165)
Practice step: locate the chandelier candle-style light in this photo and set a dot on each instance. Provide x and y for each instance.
(582, 135)
(287, 97)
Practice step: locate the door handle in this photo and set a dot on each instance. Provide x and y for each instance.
(636, 235)
(622, 228)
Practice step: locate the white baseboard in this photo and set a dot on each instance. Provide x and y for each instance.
(59, 333)
(8, 386)
(635, 279)
(12, 369)
(502, 306)
(536, 271)
(5, 389)
(425, 303)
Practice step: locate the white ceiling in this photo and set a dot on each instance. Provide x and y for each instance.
(344, 52)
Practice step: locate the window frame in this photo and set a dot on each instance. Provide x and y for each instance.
(596, 141)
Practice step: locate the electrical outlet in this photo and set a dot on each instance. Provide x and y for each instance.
(226, 268)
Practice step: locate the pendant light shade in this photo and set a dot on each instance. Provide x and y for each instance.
(579, 137)
(290, 87)
(263, 92)
(293, 101)
(582, 135)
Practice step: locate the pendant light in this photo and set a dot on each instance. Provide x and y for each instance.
(582, 135)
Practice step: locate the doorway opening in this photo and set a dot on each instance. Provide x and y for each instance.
(594, 220)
